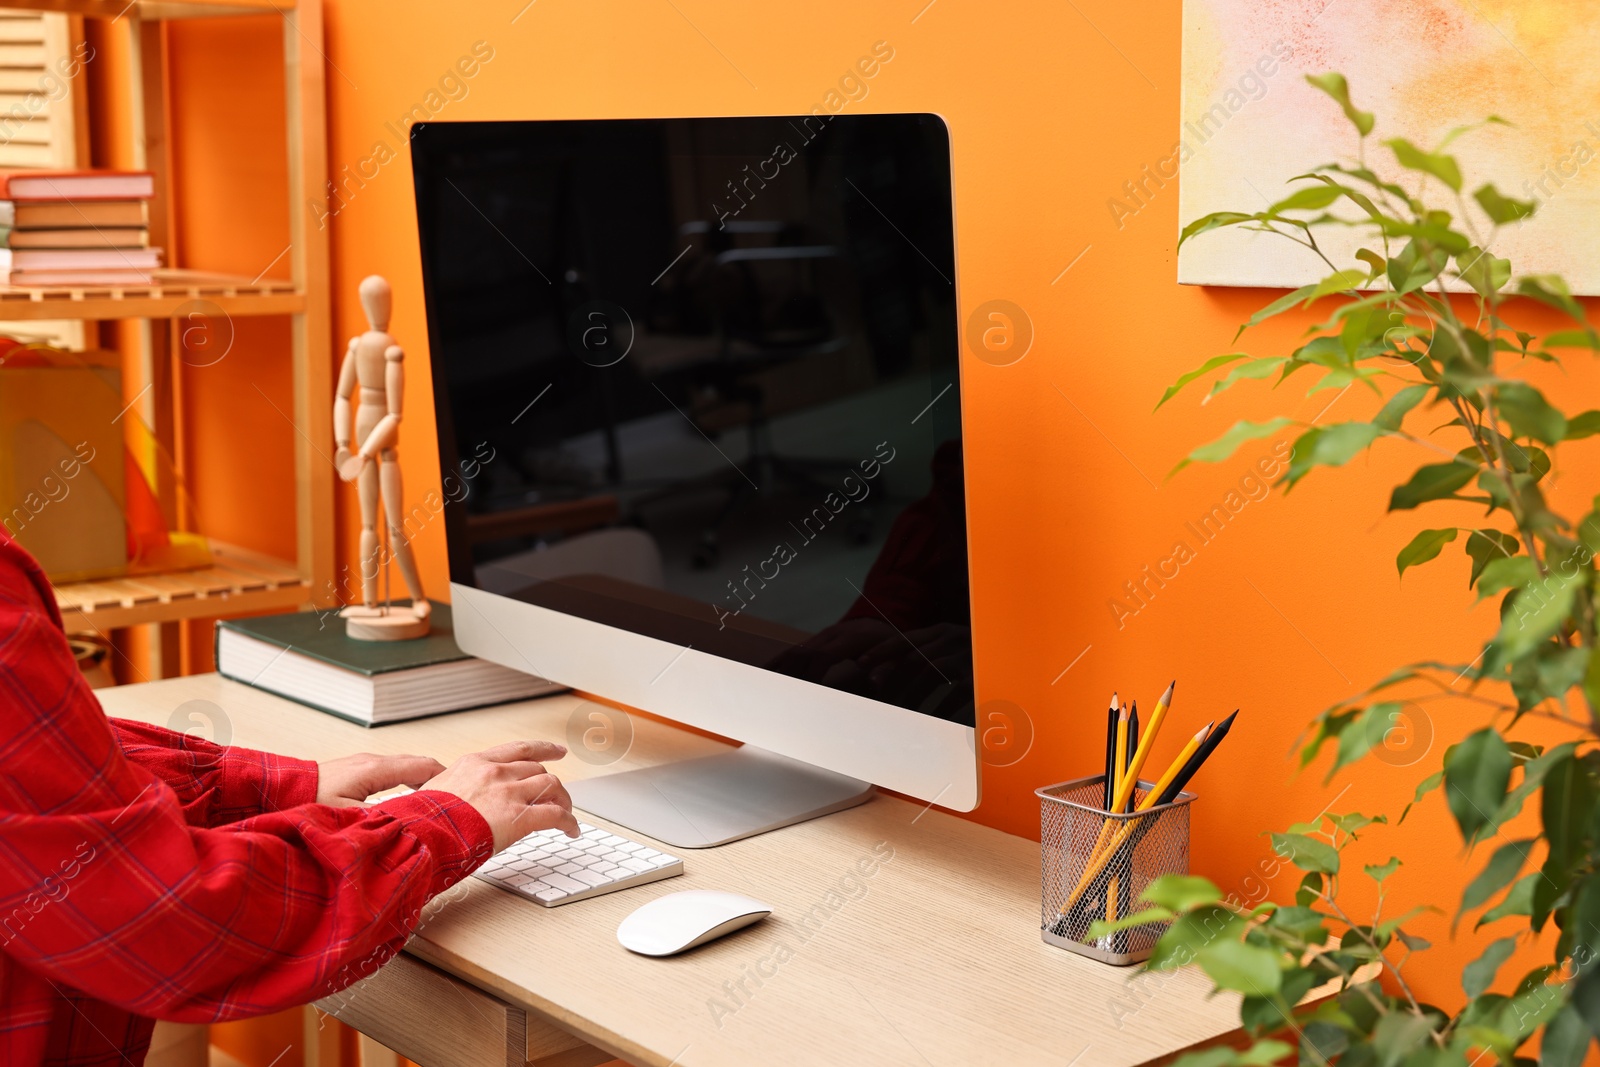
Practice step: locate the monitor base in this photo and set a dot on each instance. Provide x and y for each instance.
(700, 803)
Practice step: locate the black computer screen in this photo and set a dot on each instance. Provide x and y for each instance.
(697, 379)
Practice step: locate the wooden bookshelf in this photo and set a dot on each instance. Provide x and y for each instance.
(237, 583)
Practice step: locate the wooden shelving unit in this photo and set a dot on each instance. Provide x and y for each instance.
(238, 582)
(173, 289)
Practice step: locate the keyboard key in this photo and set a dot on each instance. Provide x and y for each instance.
(631, 847)
(646, 854)
(549, 895)
(590, 878)
(661, 861)
(569, 868)
(638, 865)
(519, 880)
(613, 840)
(561, 881)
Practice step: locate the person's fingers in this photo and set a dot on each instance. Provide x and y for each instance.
(512, 751)
(554, 815)
(544, 789)
(520, 769)
(405, 770)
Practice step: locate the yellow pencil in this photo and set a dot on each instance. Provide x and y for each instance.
(1119, 764)
(1142, 753)
(1103, 856)
(1127, 782)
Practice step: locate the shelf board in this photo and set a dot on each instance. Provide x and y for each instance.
(164, 298)
(154, 9)
(238, 583)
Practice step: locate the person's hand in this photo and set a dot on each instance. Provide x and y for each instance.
(347, 781)
(510, 788)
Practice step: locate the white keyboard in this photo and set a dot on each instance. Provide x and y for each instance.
(551, 868)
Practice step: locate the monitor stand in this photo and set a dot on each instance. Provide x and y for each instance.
(712, 800)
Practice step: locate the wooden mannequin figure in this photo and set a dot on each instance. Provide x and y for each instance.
(375, 363)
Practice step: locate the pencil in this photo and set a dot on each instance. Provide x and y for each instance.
(1133, 744)
(1119, 758)
(1142, 753)
(1213, 739)
(1103, 855)
(1111, 753)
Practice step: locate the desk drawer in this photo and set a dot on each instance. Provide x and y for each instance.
(437, 1020)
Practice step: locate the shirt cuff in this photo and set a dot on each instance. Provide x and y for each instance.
(448, 827)
(278, 782)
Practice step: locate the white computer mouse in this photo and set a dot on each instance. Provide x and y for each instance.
(680, 921)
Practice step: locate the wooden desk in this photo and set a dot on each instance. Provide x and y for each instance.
(932, 959)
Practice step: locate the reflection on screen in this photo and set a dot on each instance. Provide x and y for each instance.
(696, 379)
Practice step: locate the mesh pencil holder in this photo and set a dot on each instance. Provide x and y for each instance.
(1094, 865)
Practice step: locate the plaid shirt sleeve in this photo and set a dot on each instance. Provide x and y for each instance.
(217, 785)
(108, 892)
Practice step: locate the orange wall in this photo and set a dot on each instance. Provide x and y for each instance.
(1294, 606)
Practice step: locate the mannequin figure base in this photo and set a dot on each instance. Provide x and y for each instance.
(390, 623)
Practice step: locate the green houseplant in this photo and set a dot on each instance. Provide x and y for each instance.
(1418, 320)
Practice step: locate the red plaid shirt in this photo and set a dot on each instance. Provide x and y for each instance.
(146, 874)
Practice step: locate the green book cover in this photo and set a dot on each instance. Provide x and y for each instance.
(321, 636)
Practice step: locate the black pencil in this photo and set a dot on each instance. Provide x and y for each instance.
(1133, 746)
(1111, 751)
(1194, 762)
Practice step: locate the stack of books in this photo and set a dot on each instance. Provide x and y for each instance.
(306, 657)
(81, 227)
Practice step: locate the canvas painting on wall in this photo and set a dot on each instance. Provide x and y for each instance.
(1250, 122)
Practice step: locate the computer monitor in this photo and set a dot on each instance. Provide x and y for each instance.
(699, 415)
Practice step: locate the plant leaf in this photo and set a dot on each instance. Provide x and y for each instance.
(1307, 853)
(1502, 209)
(1181, 892)
(1529, 414)
(1423, 547)
(1437, 164)
(1498, 873)
(1566, 1039)
(1335, 86)
(1378, 872)
(1436, 481)
(1331, 446)
(1486, 546)
(1213, 221)
(1478, 975)
(1397, 407)
(1477, 773)
(1205, 368)
(1536, 614)
(1225, 446)
(1583, 425)
(1243, 967)
(1517, 902)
